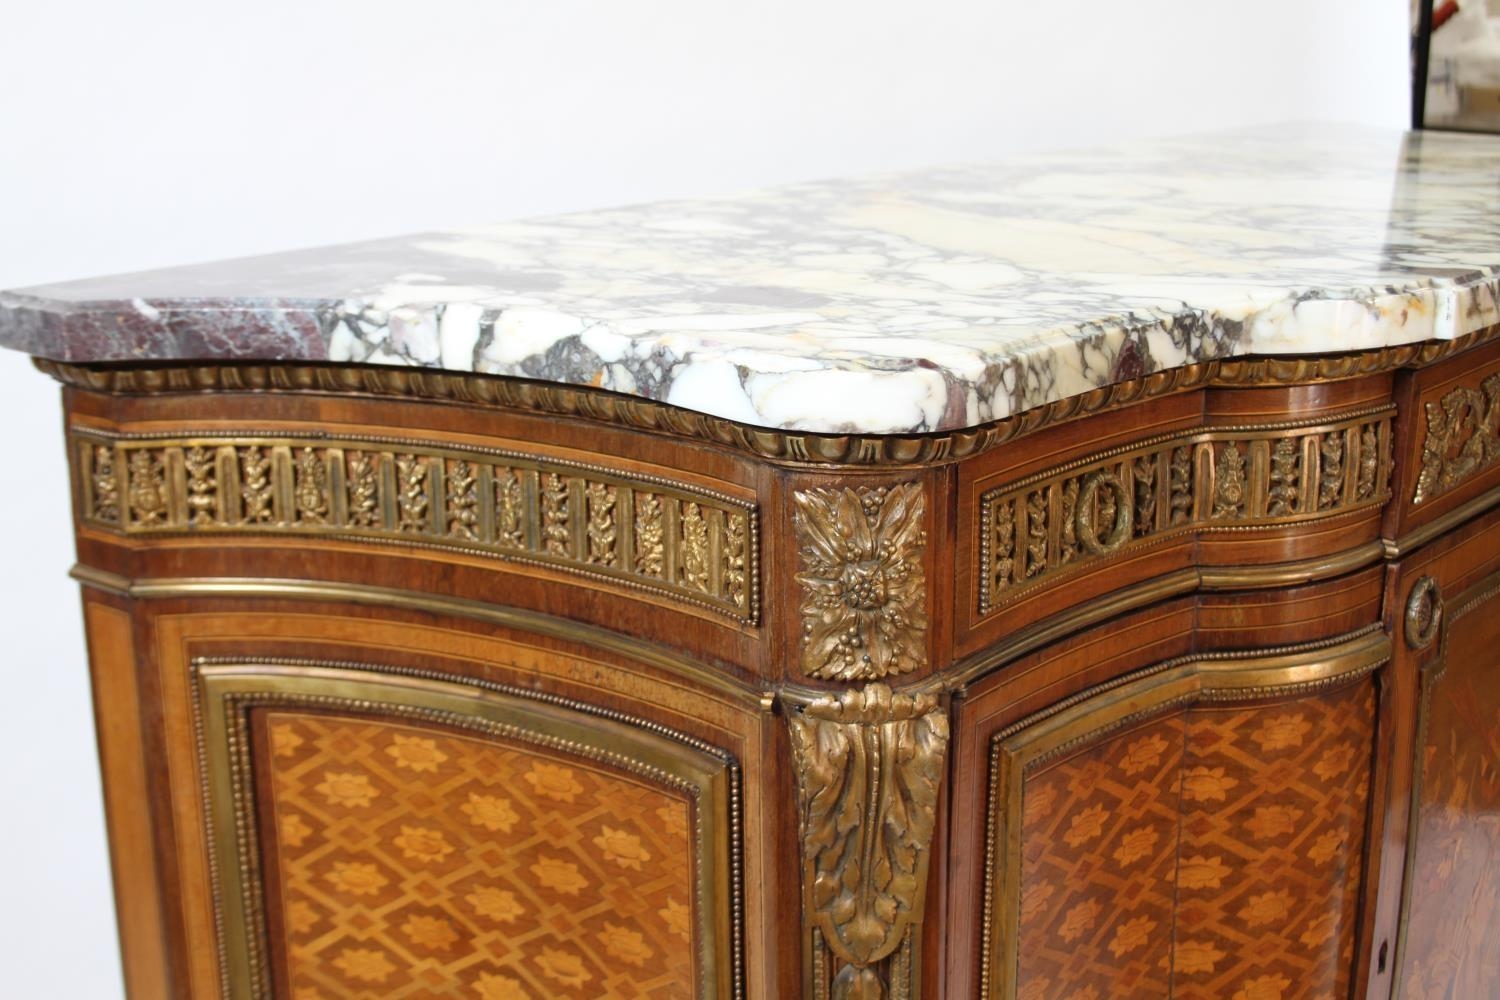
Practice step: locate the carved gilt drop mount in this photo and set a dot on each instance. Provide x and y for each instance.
(869, 765)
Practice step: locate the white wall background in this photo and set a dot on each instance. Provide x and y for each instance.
(154, 133)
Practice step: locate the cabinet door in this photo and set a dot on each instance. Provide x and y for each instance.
(1449, 941)
(350, 802)
(1195, 829)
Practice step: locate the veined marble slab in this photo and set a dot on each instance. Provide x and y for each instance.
(923, 301)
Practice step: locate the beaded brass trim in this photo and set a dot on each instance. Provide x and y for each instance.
(227, 689)
(1209, 479)
(779, 445)
(645, 532)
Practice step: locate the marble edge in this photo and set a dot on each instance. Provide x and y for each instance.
(127, 330)
(1109, 350)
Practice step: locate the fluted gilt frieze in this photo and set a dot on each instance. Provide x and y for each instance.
(869, 766)
(683, 541)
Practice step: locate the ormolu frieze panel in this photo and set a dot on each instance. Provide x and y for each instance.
(423, 847)
(646, 532)
(1184, 840)
(1462, 438)
(1224, 478)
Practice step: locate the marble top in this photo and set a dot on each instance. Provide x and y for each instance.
(931, 300)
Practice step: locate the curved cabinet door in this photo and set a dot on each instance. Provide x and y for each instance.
(1195, 829)
(1449, 942)
(384, 834)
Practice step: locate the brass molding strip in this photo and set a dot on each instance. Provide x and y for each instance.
(646, 533)
(1291, 573)
(1059, 729)
(1346, 656)
(513, 618)
(1439, 526)
(790, 447)
(1174, 584)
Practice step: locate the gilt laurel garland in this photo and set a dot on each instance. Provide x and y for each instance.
(869, 765)
(864, 590)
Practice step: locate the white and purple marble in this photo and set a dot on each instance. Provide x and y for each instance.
(923, 301)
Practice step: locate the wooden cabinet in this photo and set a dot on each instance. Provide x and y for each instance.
(450, 686)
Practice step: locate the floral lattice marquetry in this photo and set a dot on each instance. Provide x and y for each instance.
(1163, 859)
(864, 603)
(411, 861)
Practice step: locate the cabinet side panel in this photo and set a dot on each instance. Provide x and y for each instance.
(123, 764)
(1450, 947)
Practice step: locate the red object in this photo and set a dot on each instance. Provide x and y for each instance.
(1442, 13)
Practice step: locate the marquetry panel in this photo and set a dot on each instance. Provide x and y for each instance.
(642, 531)
(407, 856)
(379, 848)
(1212, 479)
(1448, 943)
(1279, 793)
(1189, 833)
(1099, 849)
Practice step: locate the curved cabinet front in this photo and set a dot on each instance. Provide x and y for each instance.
(1193, 830)
(409, 687)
